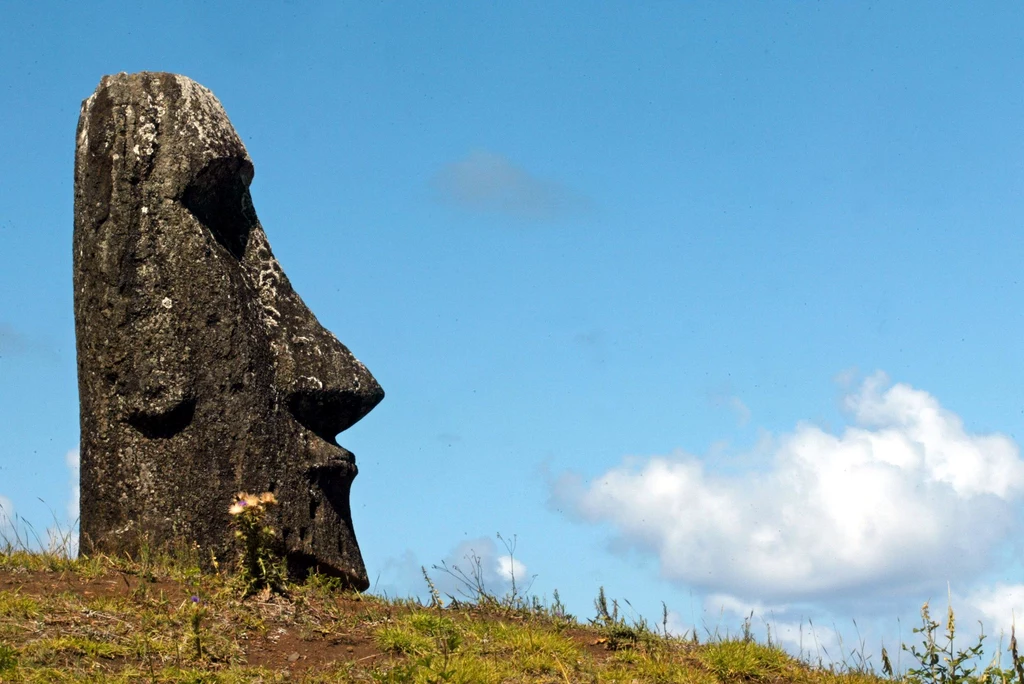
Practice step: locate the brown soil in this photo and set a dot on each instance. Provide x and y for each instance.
(284, 644)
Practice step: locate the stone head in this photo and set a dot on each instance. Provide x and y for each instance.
(201, 371)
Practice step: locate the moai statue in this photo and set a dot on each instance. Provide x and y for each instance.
(201, 372)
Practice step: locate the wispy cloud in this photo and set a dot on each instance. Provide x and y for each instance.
(479, 560)
(741, 411)
(999, 605)
(471, 563)
(874, 509)
(72, 459)
(11, 341)
(723, 397)
(488, 182)
(592, 345)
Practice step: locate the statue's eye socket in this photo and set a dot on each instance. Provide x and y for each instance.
(164, 423)
(219, 197)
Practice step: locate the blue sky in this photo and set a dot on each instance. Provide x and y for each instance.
(710, 303)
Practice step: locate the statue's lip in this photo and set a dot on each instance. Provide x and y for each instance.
(345, 461)
(321, 458)
(301, 564)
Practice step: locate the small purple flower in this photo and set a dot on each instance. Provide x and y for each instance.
(195, 599)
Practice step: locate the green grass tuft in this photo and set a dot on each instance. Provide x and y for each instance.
(160, 618)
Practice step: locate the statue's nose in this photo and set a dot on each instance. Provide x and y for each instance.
(330, 401)
(324, 386)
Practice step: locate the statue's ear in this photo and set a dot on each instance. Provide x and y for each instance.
(163, 418)
(160, 404)
(219, 198)
(149, 350)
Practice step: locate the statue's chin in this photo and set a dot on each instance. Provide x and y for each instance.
(301, 566)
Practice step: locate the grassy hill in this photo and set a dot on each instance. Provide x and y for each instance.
(162, 619)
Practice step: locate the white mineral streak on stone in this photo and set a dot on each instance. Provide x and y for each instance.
(146, 480)
(267, 280)
(129, 119)
(83, 136)
(145, 210)
(161, 109)
(314, 381)
(205, 114)
(122, 530)
(167, 303)
(148, 133)
(272, 315)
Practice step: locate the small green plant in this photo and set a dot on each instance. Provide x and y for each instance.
(940, 662)
(435, 595)
(195, 621)
(441, 629)
(117, 634)
(748, 633)
(735, 659)
(1018, 664)
(557, 611)
(259, 566)
(471, 586)
(618, 633)
(8, 658)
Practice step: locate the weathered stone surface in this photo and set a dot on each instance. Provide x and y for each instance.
(201, 373)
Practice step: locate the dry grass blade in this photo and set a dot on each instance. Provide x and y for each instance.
(159, 618)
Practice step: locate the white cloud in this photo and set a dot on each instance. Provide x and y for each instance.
(12, 341)
(741, 411)
(723, 397)
(800, 636)
(905, 498)
(736, 606)
(471, 563)
(510, 568)
(72, 459)
(805, 639)
(479, 562)
(60, 536)
(398, 576)
(66, 538)
(999, 606)
(489, 182)
(722, 616)
(677, 626)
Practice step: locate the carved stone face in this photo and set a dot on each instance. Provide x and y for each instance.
(201, 372)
